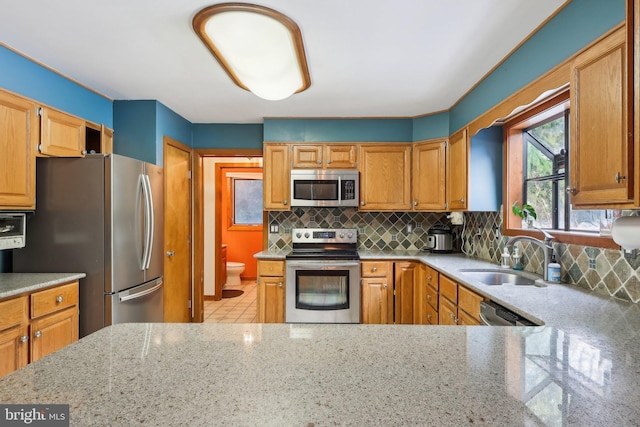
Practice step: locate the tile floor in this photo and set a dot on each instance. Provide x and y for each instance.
(241, 309)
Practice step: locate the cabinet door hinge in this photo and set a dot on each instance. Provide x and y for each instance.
(189, 174)
(446, 205)
(39, 111)
(446, 144)
(189, 304)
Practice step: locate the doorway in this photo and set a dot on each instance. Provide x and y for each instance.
(208, 218)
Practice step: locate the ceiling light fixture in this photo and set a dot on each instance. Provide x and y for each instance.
(259, 48)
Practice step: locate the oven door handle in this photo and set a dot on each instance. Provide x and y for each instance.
(320, 264)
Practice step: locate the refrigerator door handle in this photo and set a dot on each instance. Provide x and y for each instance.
(151, 221)
(145, 244)
(142, 293)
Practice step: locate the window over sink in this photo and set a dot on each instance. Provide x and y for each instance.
(536, 170)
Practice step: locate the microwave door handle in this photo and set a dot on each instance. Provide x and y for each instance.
(339, 190)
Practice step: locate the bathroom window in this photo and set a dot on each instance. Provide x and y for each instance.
(245, 201)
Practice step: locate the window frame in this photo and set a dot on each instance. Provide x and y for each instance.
(231, 179)
(513, 167)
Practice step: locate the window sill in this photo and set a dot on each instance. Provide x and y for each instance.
(574, 238)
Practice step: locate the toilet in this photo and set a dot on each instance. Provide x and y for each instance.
(234, 270)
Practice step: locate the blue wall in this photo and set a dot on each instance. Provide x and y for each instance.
(485, 170)
(431, 126)
(335, 130)
(135, 129)
(173, 125)
(22, 76)
(573, 28)
(140, 127)
(228, 135)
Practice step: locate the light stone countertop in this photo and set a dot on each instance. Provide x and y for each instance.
(12, 284)
(560, 305)
(327, 375)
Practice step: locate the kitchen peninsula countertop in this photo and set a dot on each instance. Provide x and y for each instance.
(325, 375)
(12, 284)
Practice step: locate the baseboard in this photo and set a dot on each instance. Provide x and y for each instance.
(209, 297)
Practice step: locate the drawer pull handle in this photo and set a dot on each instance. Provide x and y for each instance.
(374, 269)
(59, 299)
(428, 296)
(384, 286)
(38, 334)
(24, 338)
(619, 177)
(428, 316)
(280, 284)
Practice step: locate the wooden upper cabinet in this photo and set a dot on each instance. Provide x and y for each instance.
(601, 148)
(276, 177)
(341, 156)
(429, 175)
(61, 134)
(385, 177)
(306, 156)
(106, 139)
(19, 133)
(324, 156)
(457, 166)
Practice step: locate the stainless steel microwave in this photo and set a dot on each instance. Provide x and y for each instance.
(13, 228)
(324, 188)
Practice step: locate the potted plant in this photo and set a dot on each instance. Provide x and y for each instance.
(526, 212)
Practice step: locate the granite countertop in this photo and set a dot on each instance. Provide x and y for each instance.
(12, 284)
(321, 375)
(559, 305)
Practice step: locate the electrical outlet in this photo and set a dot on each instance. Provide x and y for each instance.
(274, 228)
(491, 244)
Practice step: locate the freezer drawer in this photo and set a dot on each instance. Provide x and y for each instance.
(143, 303)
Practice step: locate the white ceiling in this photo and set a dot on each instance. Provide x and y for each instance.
(367, 58)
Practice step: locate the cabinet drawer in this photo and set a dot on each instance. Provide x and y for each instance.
(375, 268)
(448, 289)
(432, 277)
(271, 268)
(431, 296)
(13, 312)
(469, 301)
(431, 315)
(465, 319)
(54, 299)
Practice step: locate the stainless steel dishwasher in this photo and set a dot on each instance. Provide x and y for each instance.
(493, 314)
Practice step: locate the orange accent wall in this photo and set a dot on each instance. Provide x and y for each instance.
(241, 245)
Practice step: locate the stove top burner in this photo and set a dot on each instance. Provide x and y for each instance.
(324, 243)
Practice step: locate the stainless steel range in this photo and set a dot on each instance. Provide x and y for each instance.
(323, 276)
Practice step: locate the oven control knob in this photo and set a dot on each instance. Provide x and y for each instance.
(349, 235)
(306, 235)
(342, 235)
(298, 234)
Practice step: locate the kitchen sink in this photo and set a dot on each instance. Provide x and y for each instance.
(498, 277)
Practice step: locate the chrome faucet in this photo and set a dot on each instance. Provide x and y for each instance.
(546, 245)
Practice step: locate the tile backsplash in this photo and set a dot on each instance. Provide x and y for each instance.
(603, 271)
(376, 230)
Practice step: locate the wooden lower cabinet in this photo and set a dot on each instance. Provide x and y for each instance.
(409, 292)
(52, 332)
(36, 324)
(376, 296)
(406, 280)
(271, 292)
(458, 305)
(388, 291)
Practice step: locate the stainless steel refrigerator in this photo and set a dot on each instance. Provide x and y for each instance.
(101, 215)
